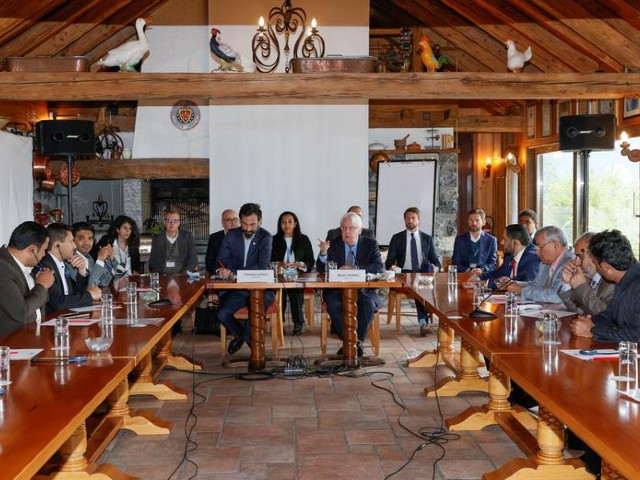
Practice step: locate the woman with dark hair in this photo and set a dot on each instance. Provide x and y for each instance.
(124, 237)
(293, 250)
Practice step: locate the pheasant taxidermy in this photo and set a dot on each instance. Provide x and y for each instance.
(516, 59)
(128, 55)
(429, 59)
(230, 59)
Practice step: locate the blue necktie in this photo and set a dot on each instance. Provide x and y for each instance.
(415, 264)
(351, 258)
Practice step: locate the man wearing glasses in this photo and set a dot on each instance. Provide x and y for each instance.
(352, 250)
(229, 220)
(173, 251)
(554, 252)
(583, 289)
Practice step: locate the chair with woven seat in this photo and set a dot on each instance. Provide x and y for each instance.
(273, 315)
(373, 333)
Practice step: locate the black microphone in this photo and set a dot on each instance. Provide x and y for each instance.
(479, 313)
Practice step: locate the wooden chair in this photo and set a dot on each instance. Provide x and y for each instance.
(394, 305)
(374, 331)
(273, 316)
(310, 307)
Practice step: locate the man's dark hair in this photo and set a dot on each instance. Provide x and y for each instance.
(518, 232)
(478, 211)
(613, 247)
(415, 210)
(83, 226)
(527, 212)
(57, 233)
(249, 209)
(28, 233)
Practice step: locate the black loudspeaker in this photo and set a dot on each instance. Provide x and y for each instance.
(65, 137)
(587, 132)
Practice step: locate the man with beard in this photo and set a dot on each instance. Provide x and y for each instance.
(520, 258)
(475, 251)
(101, 270)
(245, 248)
(583, 289)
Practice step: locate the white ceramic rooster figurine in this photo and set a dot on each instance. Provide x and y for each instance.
(129, 54)
(230, 59)
(516, 59)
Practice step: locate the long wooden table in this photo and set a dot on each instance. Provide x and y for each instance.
(78, 389)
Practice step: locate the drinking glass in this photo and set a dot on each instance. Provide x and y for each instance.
(5, 366)
(132, 292)
(550, 327)
(61, 334)
(627, 367)
(452, 277)
(154, 281)
(106, 308)
(330, 265)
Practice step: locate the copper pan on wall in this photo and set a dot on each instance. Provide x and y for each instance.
(49, 182)
(40, 165)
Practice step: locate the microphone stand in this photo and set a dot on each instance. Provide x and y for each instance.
(479, 313)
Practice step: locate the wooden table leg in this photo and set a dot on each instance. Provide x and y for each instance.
(476, 418)
(445, 349)
(145, 385)
(74, 465)
(166, 357)
(349, 326)
(549, 462)
(140, 422)
(468, 379)
(258, 360)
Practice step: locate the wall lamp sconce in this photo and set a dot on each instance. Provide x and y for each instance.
(511, 161)
(633, 155)
(286, 21)
(486, 171)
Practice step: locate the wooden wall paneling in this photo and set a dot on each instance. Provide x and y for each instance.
(18, 17)
(461, 60)
(467, 179)
(141, 168)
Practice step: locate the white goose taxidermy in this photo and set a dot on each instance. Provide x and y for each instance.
(129, 54)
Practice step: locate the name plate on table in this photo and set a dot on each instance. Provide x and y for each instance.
(255, 276)
(336, 275)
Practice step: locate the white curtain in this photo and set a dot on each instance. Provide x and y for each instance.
(16, 183)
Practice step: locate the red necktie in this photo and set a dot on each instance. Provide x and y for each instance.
(514, 268)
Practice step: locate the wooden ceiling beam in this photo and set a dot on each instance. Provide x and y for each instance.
(18, 16)
(141, 168)
(168, 87)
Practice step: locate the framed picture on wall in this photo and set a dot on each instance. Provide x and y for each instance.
(607, 106)
(630, 107)
(531, 121)
(546, 118)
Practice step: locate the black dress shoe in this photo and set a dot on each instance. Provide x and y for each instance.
(234, 346)
(298, 328)
(360, 350)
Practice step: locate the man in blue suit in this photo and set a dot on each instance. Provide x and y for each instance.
(475, 251)
(247, 247)
(352, 250)
(413, 251)
(521, 261)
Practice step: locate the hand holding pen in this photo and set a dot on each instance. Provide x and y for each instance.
(45, 277)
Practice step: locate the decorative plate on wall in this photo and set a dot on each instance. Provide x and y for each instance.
(185, 115)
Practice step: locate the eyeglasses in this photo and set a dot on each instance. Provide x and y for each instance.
(540, 247)
(171, 220)
(349, 229)
(235, 219)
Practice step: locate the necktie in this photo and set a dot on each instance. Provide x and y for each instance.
(514, 268)
(593, 284)
(415, 265)
(351, 258)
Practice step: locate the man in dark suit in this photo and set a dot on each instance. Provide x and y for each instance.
(229, 220)
(23, 297)
(336, 233)
(413, 251)
(101, 269)
(245, 248)
(175, 250)
(521, 261)
(475, 251)
(352, 250)
(66, 293)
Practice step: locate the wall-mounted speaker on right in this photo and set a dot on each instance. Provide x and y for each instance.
(72, 138)
(587, 132)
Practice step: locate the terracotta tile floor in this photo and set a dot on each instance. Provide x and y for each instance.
(339, 427)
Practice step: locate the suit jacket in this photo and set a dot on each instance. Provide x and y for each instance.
(337, 233)
(134, 253)
(486, 257)
(544, 288)
(99, 275)
(620, 321)
(213, 248)
(301, 249)
(232, 251)
(587, 301)
(78, 295)
(528, 267)
(398, 253)
(160, 248)
(18, 303)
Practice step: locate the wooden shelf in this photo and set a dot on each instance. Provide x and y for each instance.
(256, 87)
(410, 152)
(138, 168)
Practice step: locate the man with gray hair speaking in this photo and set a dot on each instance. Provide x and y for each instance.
(553, 250)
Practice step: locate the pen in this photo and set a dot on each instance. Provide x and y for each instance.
(604, 359)
(74, 359)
